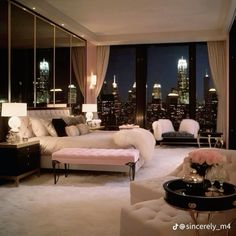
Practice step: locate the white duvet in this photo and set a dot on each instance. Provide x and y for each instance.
(139, 138)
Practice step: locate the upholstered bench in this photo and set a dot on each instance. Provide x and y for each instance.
(95, 156)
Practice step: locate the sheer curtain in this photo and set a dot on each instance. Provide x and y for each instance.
(78, 63)
(217, 61)
(102, 63)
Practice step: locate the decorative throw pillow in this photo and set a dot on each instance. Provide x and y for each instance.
(49, 126)
(38, 128)
(25, 130)
(59, 125)
(72, 130)
(70, 120)
(74, 120)
(80, 119)
(83, 129)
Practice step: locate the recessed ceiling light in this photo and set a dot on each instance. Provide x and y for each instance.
(33, 8)
(62, 24)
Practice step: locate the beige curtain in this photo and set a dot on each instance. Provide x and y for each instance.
(78, 64)
(217, 61)
(102, 63)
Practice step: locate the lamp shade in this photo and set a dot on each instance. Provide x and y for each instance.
(89, 107)
(14, 109)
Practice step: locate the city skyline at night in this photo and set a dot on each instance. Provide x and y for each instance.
(161, 69)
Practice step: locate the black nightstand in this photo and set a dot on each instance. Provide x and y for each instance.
(19, 160)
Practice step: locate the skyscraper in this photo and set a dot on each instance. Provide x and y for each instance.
(42, 90)
(156, 94)
(183, 81)
(206, 86)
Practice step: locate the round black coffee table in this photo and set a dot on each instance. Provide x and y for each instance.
(177, 195)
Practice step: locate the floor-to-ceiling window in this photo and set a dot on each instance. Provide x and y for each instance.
(167, 83)
(169, 89)
(118, 94)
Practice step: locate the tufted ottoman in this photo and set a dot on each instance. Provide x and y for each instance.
(153, 218)
(157, 218)
(148, 189)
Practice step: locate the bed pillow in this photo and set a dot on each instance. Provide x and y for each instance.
(49, 126)
(38, 128)
(83, 129)
(25, 130)
(80, 119)
(74, 120)
(59, 125)
(70, 120)
(72, 130)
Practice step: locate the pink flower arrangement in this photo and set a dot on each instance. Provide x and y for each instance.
(210, 157)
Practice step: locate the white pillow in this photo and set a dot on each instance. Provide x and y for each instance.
(26, 128)
(83, 129)
(38, 128)
(49, 126)
(72, 130)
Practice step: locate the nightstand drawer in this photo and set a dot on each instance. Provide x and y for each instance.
(16, 160)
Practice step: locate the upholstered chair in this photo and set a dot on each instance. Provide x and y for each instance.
(189, 126)
(162, 126)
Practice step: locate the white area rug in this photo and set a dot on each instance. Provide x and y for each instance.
(83, 204)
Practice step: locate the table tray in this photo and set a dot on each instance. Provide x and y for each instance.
(175, 194)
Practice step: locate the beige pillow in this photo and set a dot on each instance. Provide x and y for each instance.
(83, 129)
(49, 126)
(25, 130)
(38, 128)
(72, 130)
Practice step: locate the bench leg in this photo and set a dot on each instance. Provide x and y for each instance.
(55, 174)
(67, 167)
(131, 170)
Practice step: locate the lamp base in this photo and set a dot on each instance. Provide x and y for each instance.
(13, 137)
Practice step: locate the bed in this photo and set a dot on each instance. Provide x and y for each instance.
(138, 138)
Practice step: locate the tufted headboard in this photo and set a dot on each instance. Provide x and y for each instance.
(47, 113)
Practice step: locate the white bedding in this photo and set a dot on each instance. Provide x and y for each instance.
(139, 138)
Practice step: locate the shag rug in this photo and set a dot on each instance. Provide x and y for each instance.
(83, 204)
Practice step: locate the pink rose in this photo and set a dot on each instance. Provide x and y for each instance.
(209, 156)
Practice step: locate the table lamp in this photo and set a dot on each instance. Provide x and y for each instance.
(14, 110)
(89, 109)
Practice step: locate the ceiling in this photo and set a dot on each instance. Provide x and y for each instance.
(114, 22)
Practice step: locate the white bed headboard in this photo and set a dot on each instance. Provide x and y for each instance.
(49, 113)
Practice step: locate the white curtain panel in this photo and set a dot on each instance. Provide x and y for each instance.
(78, 63)
(102, 63)
(217, 61)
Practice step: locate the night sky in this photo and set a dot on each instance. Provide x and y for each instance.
(162, 68)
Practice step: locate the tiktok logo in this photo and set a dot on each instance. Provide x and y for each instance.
(175, 227)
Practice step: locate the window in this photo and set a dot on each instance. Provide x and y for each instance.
(117, 96)
(167, 83)
(168, 90)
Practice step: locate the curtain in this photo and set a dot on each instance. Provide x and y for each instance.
(217, 61)
(78, 64)
(102, 63)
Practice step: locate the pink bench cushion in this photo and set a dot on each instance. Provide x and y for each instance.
(96, 156)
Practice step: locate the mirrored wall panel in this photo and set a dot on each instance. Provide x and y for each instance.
(3, 51)
(44, 62)
(36, 60)
(22, 55)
